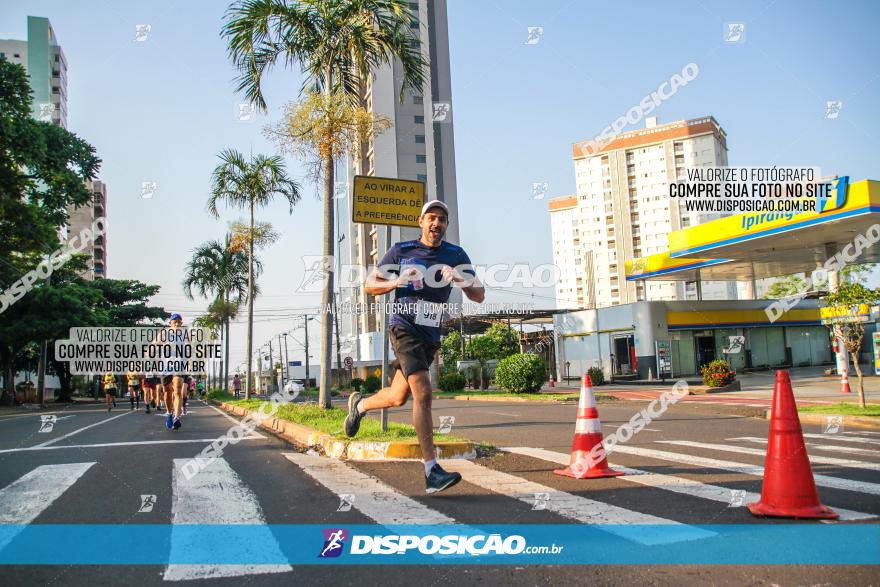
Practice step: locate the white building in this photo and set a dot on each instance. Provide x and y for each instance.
(418, 146)
(622, 211)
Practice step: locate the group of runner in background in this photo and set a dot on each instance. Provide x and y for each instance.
(168, 391)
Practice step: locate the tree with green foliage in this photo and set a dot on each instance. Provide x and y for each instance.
(450, 349)
(43, 172)
(505, 337)
(217, 269)
(794, 284)
(337, 43)
(848, 297)
(250, 184)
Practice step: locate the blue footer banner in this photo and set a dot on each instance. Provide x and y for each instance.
(668, 544)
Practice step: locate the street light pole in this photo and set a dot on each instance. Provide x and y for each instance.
(306, 324)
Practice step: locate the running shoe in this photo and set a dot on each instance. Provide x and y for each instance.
(439, 479)
(148, 409)
(353, 419)
(176, 423)
(169, 421)
(153, 403)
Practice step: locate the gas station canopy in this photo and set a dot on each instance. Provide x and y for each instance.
(756, 245)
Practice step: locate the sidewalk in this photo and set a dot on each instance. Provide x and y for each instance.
(811, 387)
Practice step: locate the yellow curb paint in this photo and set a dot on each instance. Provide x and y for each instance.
(358, 450)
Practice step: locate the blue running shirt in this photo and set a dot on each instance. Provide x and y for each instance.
(408, 300)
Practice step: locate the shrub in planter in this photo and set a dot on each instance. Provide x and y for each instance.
(521, 373)
(451, 382)
(597, 376)
(717, 373)
(357, 383)
(372, 384)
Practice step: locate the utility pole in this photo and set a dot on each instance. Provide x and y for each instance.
(271, 369)
(306, 324)
(286, 360)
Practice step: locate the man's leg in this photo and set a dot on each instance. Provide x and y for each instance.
(420, 384)
(436, 479)
(177, 385)
(388, 397)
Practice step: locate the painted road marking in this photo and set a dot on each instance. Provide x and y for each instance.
(115, 444)
(758, 452)
(217, 495)
(28, 496)
(868, 452)
(372, 498)
(822, 480)
(842, 438)
(228, 417)
(672, 483)
(575, 507)
(83, 429)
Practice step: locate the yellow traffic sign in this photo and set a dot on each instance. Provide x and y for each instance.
(385, 200)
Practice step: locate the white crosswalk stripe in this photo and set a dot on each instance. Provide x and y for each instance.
(758, 452)
(686, 459)
(672, 483)
(28, 496)
(372, 498)
(867, 452)
(586, 511)
(216, 495)
(842, 438)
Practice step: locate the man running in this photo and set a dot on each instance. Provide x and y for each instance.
(134, 388)
(110, 390)
(415, 326)
(173, 384)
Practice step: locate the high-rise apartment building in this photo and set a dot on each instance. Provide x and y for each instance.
(42, 57)
(418, 146)
(622, 211)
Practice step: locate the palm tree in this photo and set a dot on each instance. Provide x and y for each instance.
(251, 184)
(216, 269)
(337, 43)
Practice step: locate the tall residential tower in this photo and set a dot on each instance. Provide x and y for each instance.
(622, 211)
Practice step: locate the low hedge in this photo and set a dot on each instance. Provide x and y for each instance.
(521, 373)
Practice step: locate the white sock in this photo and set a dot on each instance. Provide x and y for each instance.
(360, 407)
(429, 465)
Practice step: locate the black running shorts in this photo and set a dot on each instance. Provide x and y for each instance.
(413, 352)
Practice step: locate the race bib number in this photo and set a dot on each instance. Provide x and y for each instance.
(428, 314)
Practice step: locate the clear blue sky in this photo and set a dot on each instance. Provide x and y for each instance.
(161, 110)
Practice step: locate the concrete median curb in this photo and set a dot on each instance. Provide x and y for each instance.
(871, 422)
(355, 450)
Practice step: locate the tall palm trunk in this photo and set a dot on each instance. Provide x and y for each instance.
(250, 328)
(329, 242)
(326, 297)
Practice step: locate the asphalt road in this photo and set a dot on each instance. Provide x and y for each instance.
(93, 467)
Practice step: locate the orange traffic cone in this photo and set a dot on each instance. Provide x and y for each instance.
(789, 490)
(844, 382)
(588, 449)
